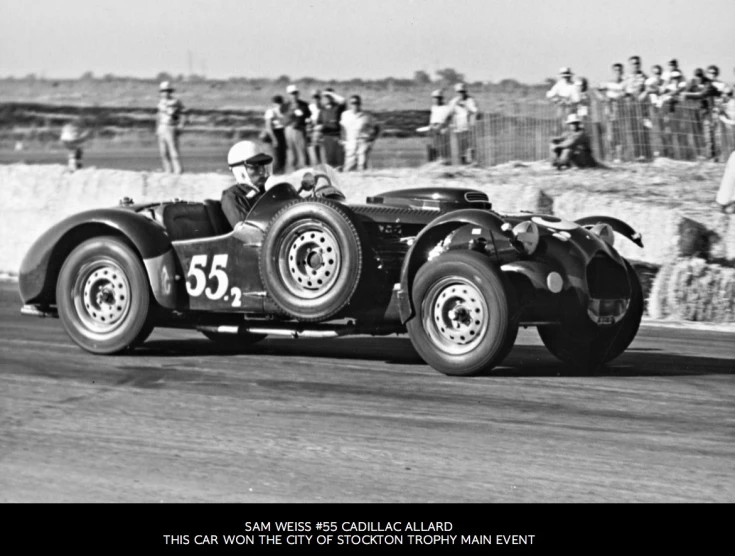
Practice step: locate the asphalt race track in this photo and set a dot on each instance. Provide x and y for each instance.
(359, 420)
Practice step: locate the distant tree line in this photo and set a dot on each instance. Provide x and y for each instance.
(445, 77)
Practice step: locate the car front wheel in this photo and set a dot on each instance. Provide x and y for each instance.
(103, 297)
(465, 320)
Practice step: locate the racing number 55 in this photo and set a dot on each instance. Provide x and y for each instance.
(197, 273)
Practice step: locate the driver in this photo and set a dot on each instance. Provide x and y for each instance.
(251, 166)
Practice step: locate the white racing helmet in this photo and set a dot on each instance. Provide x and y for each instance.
(247, 152)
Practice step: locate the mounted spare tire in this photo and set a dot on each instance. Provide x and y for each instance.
(311, 260)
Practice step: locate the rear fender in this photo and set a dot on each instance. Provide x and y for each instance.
(40, 267)
(475, 229)
(623, 228)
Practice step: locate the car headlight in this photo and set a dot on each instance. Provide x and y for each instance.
(604, 232)
(526, 236)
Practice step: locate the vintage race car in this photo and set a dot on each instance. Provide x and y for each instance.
(437, 263)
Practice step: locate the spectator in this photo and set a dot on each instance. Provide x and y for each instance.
(702, 89)
(565, 94)
(672, 67)
(726, 115)
(296, 115)
(359, 131)
(612, 93)
(73, 136)
(328, 125)
(572, 147)
(463, 113)
(726, 193)
(583, 109)
(674, 115)
(170, 124)
(437, 138)
(315, 139)
(634, 86)
(275, 133)
(653, 95)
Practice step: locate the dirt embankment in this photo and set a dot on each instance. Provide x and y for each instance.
(687, 263)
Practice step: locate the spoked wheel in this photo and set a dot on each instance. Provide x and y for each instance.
(311, 260)
(103, 296)
(465, 320)
(587, 351)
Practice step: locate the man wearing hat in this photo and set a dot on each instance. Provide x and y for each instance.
(438, 144)
(463, 113)
(565, 93)
(251, 166)
(572, 147)
(297, 116)
(169, 125)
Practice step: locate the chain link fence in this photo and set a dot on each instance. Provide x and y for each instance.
(623, 130)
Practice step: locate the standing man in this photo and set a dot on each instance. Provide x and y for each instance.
(275, 131)
(359, 132)
(565, 94)
(463, 110)
(296, 114)
(612, 93)
(316, 147)
(635, 86)
(328, 126)
(438, 145)
(653, 96)
(169, 126)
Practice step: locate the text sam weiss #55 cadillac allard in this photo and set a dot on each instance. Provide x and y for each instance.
(437, 263)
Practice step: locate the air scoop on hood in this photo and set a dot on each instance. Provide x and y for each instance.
(433, 198)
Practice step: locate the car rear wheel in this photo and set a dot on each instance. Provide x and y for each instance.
(103, 297)
(312, 259)
(465, 320)
(587, 352)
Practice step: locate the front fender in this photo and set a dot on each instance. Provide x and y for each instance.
(623, 228)
(476, 224)
(40, 267)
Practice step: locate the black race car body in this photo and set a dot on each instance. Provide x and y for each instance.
(437, 263)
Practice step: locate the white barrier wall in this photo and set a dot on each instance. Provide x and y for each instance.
(33, 197)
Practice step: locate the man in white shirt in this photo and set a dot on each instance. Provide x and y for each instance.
(565, 94)
(359, 132)
(463, 112)
(437, 141)
(612, 93)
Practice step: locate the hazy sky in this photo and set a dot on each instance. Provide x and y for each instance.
(487, 40)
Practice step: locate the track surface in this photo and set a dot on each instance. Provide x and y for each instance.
(359, 420)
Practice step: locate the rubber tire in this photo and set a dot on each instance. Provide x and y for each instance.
(590, 352)
(323, 213)
(135, 326)
(499, 297)
(233, 341)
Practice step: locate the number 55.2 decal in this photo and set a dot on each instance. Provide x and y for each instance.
(196, 279)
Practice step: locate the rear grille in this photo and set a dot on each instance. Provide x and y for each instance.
(607, 279)
(476, 197)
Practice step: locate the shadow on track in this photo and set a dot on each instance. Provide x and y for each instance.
(523, 361)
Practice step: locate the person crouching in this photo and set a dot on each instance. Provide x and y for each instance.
(572, 147)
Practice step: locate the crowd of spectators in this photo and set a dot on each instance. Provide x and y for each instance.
(661, 114)
(329, 130)
(642, 116)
